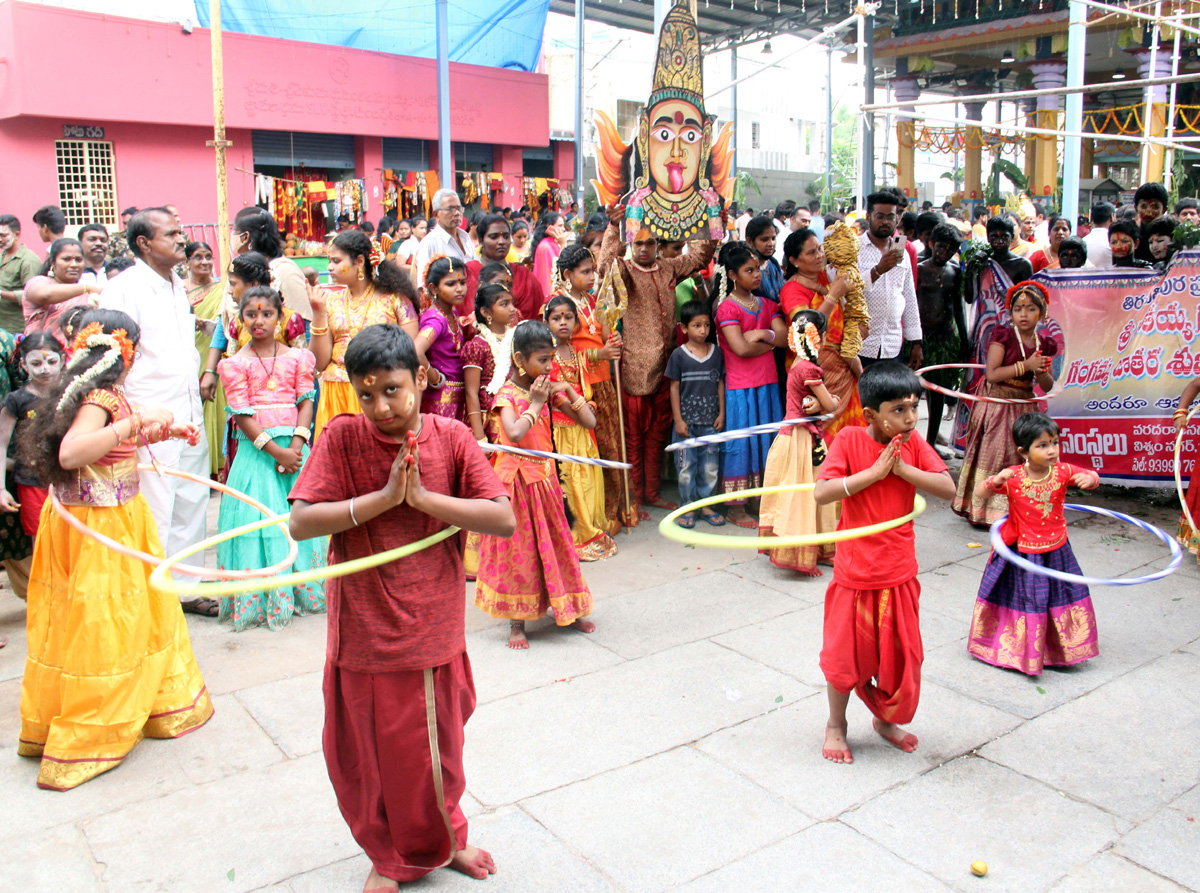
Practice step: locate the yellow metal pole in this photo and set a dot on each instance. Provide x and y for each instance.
(218, 142)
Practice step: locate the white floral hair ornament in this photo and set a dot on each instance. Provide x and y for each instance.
(804, 339)
(502, 351)
(91, 340)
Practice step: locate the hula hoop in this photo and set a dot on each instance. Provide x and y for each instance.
(672, 531)
(1187, 512)
(161, 578)
(561, 457)
(1003, 550)
(737, 433)
(187, 569)
(949, 392)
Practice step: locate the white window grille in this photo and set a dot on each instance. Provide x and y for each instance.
(755, 136)
(628, 113)
(87, 185)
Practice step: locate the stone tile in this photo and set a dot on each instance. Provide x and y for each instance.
(1190, 648)
(782, 750)
(499, 671)
(1168, 843)
(232, 661)
(265, 826)
(791, 643)
(1095, 756)
(53, 859)
(291, 711)
(1108, 873)
(828, 856)
(971, 810)
(10, 714)
(230, 744)
(642, 623)
(717, 816)
(950, 589)
(528, 858)
(758, 568)
(1151, 619)
(936, 548)
(1014, 692)
(12, 624)
(614, 716)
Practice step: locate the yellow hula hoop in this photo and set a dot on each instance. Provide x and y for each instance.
(1187, 513)
(161, 577)
(672, 531)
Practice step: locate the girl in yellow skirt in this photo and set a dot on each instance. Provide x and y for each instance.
(373, 291)
(575, 436)
(109, 660)
(797, 454)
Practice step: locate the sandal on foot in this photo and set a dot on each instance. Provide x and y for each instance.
(713, 518)
(687, 521)
(205, 607)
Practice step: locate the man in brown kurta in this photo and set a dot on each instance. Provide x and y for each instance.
(648, 333)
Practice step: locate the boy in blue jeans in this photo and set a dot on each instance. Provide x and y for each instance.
(696, 371)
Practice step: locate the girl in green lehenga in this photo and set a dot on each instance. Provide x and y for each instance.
(205, 294)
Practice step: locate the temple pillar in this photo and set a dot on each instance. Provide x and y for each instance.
(906, 90)
(973, 179)
(1154, 156)
(1087, 159)
(1047, 75)
(1029, 107)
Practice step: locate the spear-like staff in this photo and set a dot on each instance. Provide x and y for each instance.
(612, 300)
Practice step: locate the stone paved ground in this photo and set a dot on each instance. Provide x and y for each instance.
(678, 748)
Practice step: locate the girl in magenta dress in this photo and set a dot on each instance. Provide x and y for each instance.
(1026, 621)
(748, 329)
(441, 337)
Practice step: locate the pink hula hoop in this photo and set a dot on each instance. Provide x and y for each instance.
(1054, 392)
(186, 569)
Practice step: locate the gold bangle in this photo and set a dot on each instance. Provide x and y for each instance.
(1020, 368)
(579, 404)
(318, 330)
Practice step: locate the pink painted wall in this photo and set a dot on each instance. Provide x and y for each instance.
(510, 161)
(270, 84)
(564, 160)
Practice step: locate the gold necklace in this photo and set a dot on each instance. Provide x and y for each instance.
(367, 300)
(1031, 481)
(270, 373)
(453, 325)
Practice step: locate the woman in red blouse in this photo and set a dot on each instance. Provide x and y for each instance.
(808, 287)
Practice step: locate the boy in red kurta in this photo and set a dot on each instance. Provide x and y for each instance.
(398, 683)
(872, 636)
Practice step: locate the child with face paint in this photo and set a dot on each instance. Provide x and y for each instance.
(42, 359)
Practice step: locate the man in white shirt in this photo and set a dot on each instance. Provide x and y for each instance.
(1099, 253)
(890, 292)
(743, 219)
(166, 374)
(447, 237)
(94, 239)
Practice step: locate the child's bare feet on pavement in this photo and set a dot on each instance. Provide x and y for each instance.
(584, 626)
(474, 862)
(836, 749)
(377, 883)
(895, 735)
(661, 503)
(516, 634)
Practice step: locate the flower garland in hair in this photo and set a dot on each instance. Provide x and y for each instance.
(116, 346)
(1026, 286)
(804, 339)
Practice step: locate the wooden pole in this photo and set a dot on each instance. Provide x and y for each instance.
(218, 142)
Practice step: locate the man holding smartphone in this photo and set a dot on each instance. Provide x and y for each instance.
(890, 293)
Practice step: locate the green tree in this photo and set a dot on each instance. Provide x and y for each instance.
(840, 188)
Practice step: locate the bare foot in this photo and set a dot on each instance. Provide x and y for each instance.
(516, 635)
(812, 572)
(836, 749)
(643, 515)
(584, 626)
(474, 862)
(3, 641)
(377, 883)
(895, 735)
(739, 517)
(660, 503)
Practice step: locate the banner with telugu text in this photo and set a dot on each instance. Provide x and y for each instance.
(1129, 351)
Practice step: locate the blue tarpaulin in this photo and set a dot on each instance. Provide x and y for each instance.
(500, 33)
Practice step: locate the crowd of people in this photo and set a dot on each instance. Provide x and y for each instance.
(361, 408)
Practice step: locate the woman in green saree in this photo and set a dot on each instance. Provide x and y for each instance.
(204, 292)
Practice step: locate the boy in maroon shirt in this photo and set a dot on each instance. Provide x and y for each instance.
(872, 634)
(398, 683)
